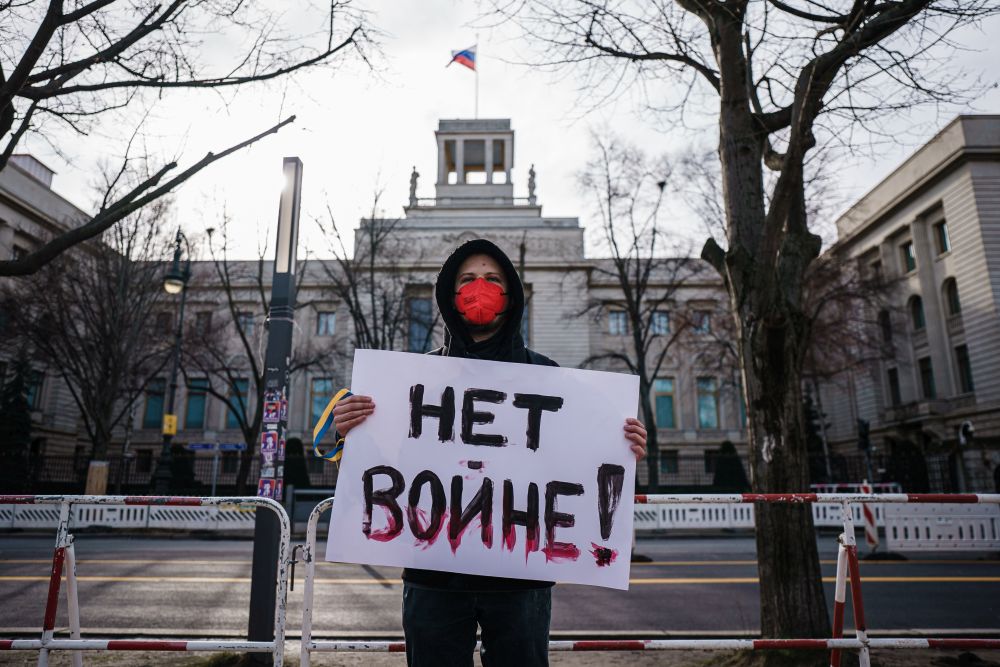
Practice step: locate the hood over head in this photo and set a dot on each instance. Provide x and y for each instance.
(506, 344)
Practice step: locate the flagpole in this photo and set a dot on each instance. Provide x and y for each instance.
(477, 78)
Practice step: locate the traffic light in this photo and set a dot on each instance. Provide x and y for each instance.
(813, 418)
(864, 442)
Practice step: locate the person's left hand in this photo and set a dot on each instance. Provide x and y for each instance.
(635, 433)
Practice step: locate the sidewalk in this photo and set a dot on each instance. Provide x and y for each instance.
(928, 658)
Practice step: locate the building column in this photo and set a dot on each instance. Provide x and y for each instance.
(459, 161)
(938, 341)
(442, 164)
(508, 157)
(489, 159)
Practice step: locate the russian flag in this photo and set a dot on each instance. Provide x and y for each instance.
(465, 57)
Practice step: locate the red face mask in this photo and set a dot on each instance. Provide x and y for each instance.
(480, 302)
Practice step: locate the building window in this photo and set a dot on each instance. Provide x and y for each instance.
(203, 321)
(526, 323)
(909, 258)
(917, 313)
(245, 322)
(708, 402)
(320, 393)
(326, 323)
(663, 392)
(17, 252)
(420, 328)
(230, 462)
(876, 269)
(35, 382)
(951, 297)
(885, 325)
(941, 238)
(702, 322)
(927, 378)
(895, 397)
(194, 410)
(314, 465)
(660, 323)
(617, 323)
(239, 390)
(711, 457)
(144, 460)
(152, 415)
(669, 462)
(964, 369)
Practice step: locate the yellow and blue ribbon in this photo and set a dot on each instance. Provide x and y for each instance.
(324, 424)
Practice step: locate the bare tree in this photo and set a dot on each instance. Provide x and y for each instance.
(783, 76)
(227, 346)
(627, 187)
(75, 66)
(373, 282)
(89, 320)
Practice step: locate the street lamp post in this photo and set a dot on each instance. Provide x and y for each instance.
(264, 568)
(175, 282)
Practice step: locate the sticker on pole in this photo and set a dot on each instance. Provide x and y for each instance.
(481, 467)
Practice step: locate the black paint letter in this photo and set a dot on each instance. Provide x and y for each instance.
(428, 533)
(470, 417)
(554, 519)
(445, 413)
(387, 499)
(609, 491)
(481, 504)
(534, 404)
(527, 518)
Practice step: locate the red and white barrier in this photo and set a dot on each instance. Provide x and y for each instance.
(871, 528)
(696, 645)
(847, 567)
(64, 560)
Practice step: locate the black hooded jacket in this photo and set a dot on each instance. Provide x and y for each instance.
(505, 345)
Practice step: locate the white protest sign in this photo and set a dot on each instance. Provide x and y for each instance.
(482, 467)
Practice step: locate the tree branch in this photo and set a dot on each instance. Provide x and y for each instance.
(144, 193)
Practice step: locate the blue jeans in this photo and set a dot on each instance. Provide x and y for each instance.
(440, 627)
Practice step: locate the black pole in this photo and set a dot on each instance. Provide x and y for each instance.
(267, 532)
(162, 475)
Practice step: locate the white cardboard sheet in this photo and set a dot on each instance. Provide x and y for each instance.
(425, 506)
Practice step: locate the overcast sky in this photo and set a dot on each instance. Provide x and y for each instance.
(357, 129)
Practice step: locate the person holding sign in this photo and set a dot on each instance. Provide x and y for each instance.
(481, 300)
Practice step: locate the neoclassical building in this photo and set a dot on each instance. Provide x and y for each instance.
(931, 232)
(573, 312)
(934, 223)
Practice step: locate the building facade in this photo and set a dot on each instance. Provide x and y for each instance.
(930, 232)
(31, 212)
(573, 313)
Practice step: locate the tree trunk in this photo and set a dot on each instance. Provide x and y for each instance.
(652, 446)
(791, 590)
(763, 270)
(246, 460)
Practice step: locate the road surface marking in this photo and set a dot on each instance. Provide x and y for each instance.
(687, 563)
(662, 563)
(382, 582)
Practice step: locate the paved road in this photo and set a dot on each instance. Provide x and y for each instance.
(168, 586)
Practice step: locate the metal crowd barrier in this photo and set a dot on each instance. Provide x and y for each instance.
(64, 558)
(847, 567)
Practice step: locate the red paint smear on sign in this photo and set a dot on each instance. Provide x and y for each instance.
(603, 555)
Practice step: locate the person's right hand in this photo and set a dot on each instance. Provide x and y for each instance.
(351, 411)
